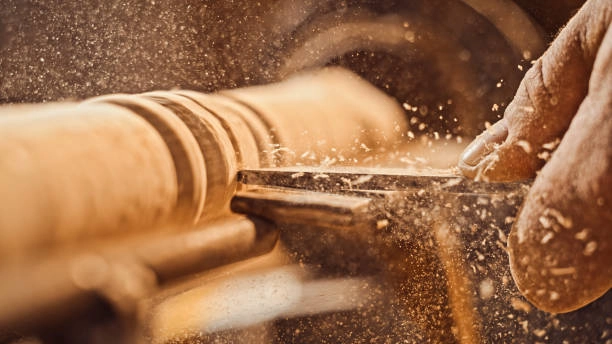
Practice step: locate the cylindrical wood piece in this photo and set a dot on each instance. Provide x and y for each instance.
(78, 171)
(120, 163)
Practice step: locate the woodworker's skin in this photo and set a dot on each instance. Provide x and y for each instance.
(560, 247)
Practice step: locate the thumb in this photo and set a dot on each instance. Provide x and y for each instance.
(544, 105)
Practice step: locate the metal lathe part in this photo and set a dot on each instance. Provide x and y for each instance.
(119, 164)
(122, 271)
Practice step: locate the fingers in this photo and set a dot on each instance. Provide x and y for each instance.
(545, 103)
(561, 245)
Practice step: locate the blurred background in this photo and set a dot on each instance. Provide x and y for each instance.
(453, 59)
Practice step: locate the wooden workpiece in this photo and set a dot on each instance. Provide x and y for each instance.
(121, 163)
(78, 171)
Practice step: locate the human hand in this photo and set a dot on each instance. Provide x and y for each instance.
(560, 247)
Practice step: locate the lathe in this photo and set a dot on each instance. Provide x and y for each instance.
(294, 181)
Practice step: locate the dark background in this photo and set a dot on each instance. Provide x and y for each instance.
(54, 50)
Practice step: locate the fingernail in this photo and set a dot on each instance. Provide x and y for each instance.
(484, 144)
